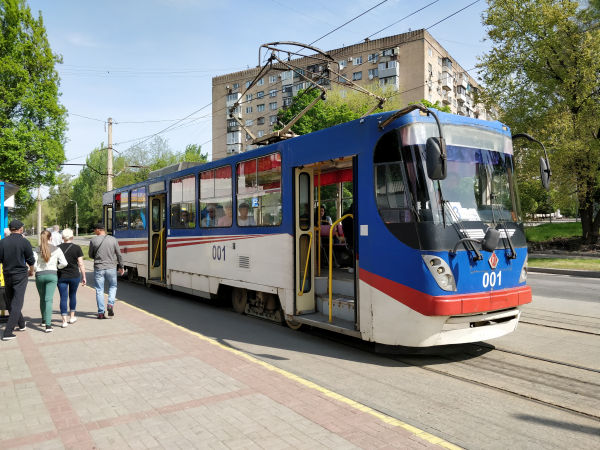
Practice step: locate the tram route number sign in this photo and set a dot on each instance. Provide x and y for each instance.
(218, 252)
(492, 279)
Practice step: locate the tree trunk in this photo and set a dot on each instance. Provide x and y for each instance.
(590, 225)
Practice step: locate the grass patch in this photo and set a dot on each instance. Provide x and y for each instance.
(549, 231)
(566, 263)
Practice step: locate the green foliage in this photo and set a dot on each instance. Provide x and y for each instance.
(89, 186)
(32, 121)
(542, 75)
(341, 105)
(62, 208)
(549, 231)
(566, 263)
(437, 105)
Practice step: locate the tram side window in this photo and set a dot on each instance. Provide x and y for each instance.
(216, 198)
(138, 209)
(390, 188)
(259, 191)
(183, 202)
(122, 211)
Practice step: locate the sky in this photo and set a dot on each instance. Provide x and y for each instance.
(147, 64)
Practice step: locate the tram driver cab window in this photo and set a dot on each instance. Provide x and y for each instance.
(392, 197)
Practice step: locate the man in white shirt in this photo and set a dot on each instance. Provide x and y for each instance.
(56, 238)
(244, 220)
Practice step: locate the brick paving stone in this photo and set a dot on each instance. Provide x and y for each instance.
(138, 382)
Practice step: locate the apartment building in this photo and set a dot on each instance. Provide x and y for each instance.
(413, 63)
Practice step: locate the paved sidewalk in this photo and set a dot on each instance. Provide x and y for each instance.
(137, 381)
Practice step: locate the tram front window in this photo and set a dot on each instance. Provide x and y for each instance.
(480, 184)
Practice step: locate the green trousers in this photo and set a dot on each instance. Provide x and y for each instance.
(46, 285)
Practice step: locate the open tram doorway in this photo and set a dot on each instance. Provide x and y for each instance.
(323, 214)
(157, 239)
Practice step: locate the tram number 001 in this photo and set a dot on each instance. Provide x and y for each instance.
(491, 279)
(218, 252)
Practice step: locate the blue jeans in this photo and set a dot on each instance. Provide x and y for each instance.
(67, 288)
(110, 275)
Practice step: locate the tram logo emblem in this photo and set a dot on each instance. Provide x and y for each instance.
(493, 261)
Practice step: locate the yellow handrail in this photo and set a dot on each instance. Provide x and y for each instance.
(331, 263)
(306, 265)
(158, 248)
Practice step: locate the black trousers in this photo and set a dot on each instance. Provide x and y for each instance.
(15, 286)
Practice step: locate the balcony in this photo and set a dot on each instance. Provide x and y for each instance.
(447, 99)
(232, 98)
(447, 80)
(234, 148)
(461, 97)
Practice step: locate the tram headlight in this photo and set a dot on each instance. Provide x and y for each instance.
(523, 276)
(441, 272)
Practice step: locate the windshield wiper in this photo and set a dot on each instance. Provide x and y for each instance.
(501, 222)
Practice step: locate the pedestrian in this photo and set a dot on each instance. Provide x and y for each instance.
(69, 277)
(56, 236)
(105, 252)
(47, 262)
(15, 255)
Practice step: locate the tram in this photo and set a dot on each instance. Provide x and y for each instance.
(438, 253)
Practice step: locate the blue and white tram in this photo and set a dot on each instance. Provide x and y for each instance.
(439, 253)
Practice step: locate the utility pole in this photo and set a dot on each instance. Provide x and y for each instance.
(39, 214)
(109, 159)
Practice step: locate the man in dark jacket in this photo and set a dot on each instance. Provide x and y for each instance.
(15, 255)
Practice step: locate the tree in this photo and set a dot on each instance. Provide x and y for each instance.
(61, 203)
(89, 186)
(32, 121)
(542, 75)
(341, 105)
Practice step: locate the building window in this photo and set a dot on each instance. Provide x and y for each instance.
(272, 78)
(272, 119)
(249, 122)
(287, 75)
(389, 52)
(387, 65)
(260, 133)
(343, 63)
(216, 198)
(260, 82)
(183, 202)
(299, 86)
(372, 73)
(298, 73)
(357, 61)
(122, 210)
(430, 69)
(248, 109)
(248, 84)
(260, 94)
(232, 98)
(248, 97)
(260, 121)
(273, 93)
(429, 51)
(372, 58)
(232, 123)
(273, 106)
(357, 76)
(260, 108)
(259, 191)
(287, 101)
(236, 85)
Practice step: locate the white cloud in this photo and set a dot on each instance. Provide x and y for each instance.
(81, 40)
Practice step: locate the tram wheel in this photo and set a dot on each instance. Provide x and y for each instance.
(239, 299)
(293, 324)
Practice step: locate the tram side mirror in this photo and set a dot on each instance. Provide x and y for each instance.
(545, 172)
(490, 240)
(435, 156)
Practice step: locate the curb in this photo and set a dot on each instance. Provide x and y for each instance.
(570, 272)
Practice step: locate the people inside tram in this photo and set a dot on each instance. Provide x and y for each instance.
(348, 226)
(186, 219)
(325, 220)
(210, 220)
(245, 220)
(226, 219)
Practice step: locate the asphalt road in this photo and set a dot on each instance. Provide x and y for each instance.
(467, 414)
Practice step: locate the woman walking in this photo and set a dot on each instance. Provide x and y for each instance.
(47, 262)
(68, 277)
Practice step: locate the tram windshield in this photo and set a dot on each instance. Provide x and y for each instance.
(480, 184)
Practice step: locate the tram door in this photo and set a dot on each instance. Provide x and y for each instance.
(157, 238)
(108, 219)
(305, 241)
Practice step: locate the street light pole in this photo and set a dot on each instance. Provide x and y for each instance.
(76, 219)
